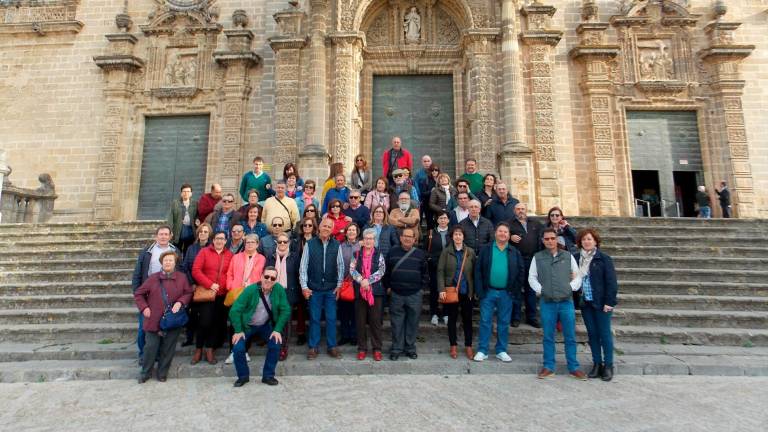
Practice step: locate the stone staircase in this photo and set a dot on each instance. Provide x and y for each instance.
(66, 309)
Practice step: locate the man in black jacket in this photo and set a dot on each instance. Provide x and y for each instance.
(725, 199)
(406, 277)
(479, 230)
(526, 237)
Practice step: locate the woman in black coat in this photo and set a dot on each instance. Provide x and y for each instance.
(598, 299)
(436, 239)
(286, 260)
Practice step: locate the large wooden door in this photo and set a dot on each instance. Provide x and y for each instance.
(175, 152)
(418, 109)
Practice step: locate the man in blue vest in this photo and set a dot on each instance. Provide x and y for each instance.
(554, 275)
(320, 275)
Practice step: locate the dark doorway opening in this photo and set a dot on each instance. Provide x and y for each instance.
(685, 192)
(645, 185)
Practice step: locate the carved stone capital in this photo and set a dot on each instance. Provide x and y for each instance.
(289, 22)
(345, 40)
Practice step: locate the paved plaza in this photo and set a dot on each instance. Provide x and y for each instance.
(393, 403)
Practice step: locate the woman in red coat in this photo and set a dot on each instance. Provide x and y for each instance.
(210, 271)
(152, 304)
(340, 220)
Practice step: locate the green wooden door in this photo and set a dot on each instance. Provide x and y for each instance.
(419, 109)
(175, 152)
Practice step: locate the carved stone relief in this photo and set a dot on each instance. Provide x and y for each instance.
(378, 31)
(654, 60)
(447, 32)
(180, 69)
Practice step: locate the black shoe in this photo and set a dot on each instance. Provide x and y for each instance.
(301, 340)
(342, 341)
(187, 342)
(412, 355)
(162, 379)
(515, 323)
(143, 379)
(270, 381)
(394, 356)
(533, 323)
(596, 371)
(607, 373)
(241, 382)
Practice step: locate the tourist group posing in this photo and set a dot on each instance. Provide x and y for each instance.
(299, 258)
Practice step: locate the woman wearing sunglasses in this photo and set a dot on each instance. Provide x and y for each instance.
(340, 220)
(565, 232)
(286, 260)
(360, 177)
(307, 197)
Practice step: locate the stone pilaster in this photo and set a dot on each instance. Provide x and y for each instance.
(516, 156)
(480, 50)
(313, 156)
(594, 54)
(729, 137)
(540, 40)
(238, 60)
(118, 66)
(287, 47)
(345, 126)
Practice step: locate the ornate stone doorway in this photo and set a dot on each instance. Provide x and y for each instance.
(419, 109)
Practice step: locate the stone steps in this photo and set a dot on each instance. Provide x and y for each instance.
(78, 235)
(713, 240)
(684, 250)
(690, 263)
(691, 318)
(692, 288)
(653, 275)
(67, 301)
(43, 245)
(65, 288)
(68, 316)
(692, 335)
(608, 221)
(80, 275)
(10, 256)
(693, 302)
(105, 263)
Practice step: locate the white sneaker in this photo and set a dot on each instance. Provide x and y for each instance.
(504, 357)
(480, 357)
(247, 358)
(445, 320)
(435, 320)
(230, 359)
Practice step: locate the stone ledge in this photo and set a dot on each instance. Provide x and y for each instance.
(42, 28)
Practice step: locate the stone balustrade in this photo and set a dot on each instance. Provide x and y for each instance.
(21, 205)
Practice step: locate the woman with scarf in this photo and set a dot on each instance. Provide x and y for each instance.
(345, 310)
(379, 196)
(598, 300)
(385, 235)
(286, 260)
(367, 268)
(440, 195)
(449, 269)
(245, 269)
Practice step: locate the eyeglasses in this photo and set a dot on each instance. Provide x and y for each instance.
(270, 278)
(282, 242)
(251, 241)
(220, 238)
(308, 226)
(277, 225)
(462, 186)
(549, 238)
(359, 160)
(354, 197)
(311, 211)
(555, 215)
(407, 236)
(308, 187)
(227, 201)
(399, 175)
(336, 206)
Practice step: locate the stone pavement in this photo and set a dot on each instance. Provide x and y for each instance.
(377, 403)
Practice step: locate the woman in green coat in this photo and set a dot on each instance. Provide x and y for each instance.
(449, 269)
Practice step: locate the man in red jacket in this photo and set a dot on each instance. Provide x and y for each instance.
(394, 158)
(208, 202)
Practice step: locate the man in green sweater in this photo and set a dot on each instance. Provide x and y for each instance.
(474, 178)
(256, 179)
(262, 309)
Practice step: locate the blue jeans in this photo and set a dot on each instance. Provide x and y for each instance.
(598, 325)
(319, 301)
(273, 352)
(551, 312)
(705, 212)
(140, 339)
(500, 302)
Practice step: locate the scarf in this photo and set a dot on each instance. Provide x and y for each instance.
(586, 259)
(282, 273)
(249, 261)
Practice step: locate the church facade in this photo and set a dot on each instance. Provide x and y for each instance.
(598, 106)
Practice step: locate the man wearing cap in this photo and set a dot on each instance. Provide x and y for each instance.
(402, 185)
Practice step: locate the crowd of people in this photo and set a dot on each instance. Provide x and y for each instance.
(297, 259)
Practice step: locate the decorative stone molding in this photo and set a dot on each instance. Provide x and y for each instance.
(346, 122)
(315, 148)
(41, 18)
(480, 49)
(539, 24)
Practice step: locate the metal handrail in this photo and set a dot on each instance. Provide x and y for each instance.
(646, 203)
(664, 208)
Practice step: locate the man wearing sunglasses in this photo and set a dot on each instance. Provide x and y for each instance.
(262, 309)
(224, 218)
(357, 211)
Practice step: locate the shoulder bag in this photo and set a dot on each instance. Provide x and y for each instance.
(347, 292)
(171, 320)
(203, 294)
(452, 292)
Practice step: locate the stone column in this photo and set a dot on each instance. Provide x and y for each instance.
(729, 137)
(313, 156)
(118, 66)
(238, 60)
(345, 117)
(4, 171)
(594, 54)
(541, 40)
(480, 50)
(516, 156)
(287, 47)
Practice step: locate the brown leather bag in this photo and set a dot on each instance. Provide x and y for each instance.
(203, 294)
(452, 292)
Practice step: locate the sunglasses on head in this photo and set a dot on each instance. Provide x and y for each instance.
(270, 278)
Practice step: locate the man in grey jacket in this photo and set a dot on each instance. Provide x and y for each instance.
(554, 275)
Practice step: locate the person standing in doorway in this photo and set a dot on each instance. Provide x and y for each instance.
(704, 203)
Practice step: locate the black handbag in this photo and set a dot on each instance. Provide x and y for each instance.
(171, 320)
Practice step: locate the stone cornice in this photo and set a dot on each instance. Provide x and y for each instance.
(546, 37)
(42, 28)
(722, 53)
(595, 51)
(228, 58)
(282, 42)
(118, 62)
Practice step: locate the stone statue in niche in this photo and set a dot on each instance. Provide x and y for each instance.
(181, 72)
(655, 62)
(412, 26)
